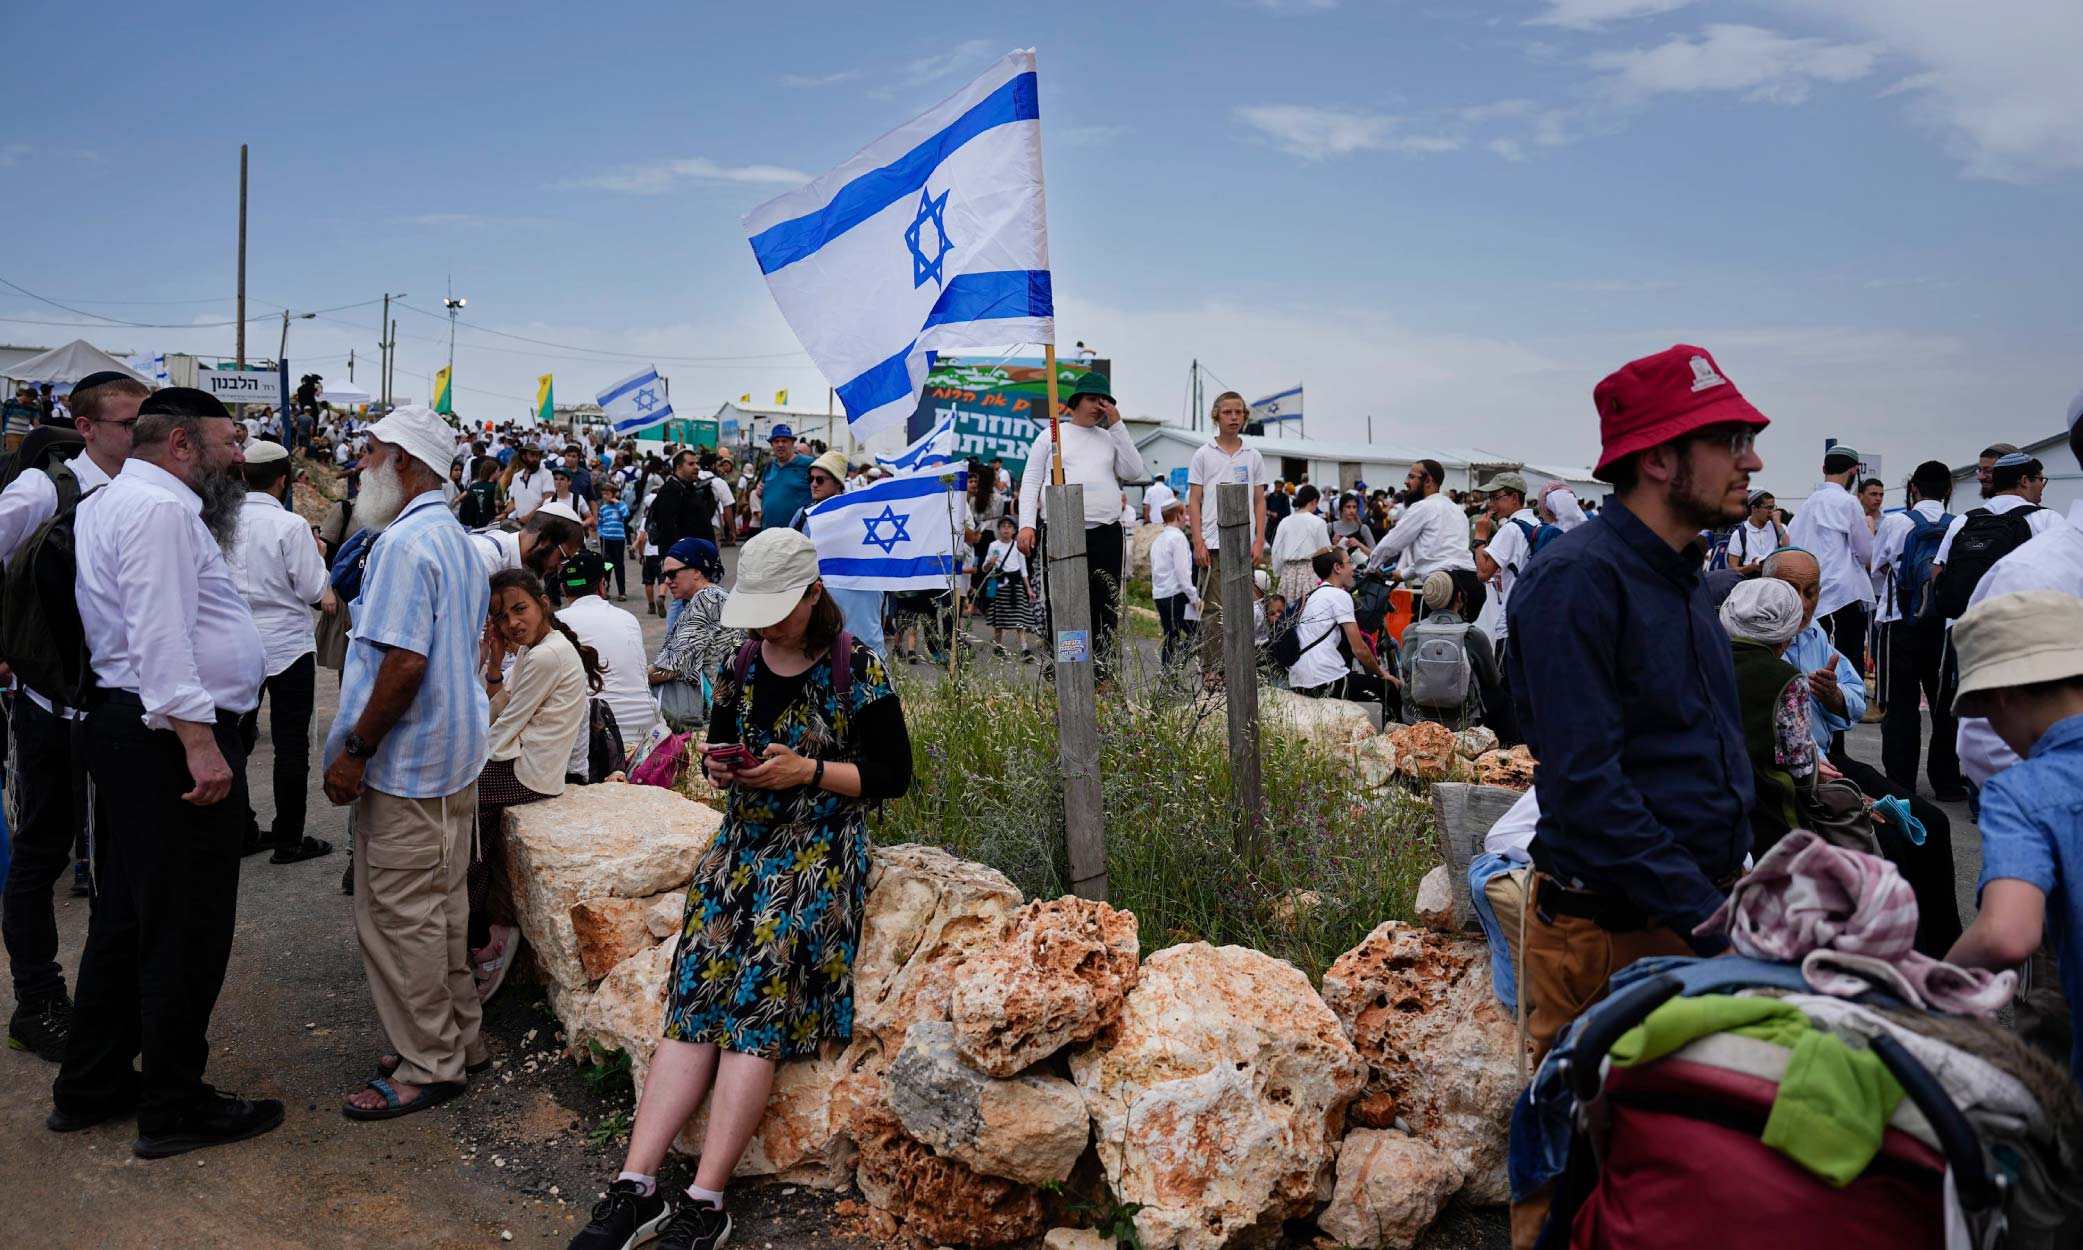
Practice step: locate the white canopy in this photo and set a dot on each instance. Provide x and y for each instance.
(70, 363)
(344, 395)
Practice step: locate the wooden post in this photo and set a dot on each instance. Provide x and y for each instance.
(383, 351)
(1055, 426)
(1240, 662)
(1075, 650)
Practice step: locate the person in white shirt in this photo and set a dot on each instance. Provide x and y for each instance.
(1155, 496)
(1831, 526)
(1321, 671)
(618, 637)
(276, 565)
(1172, 583)
(1500, 561)
(1912, 649)
(1003, 477)
(1011, 603)
(1302, 536)
(550, 535)
(528, 482)
(1756, 536)
(1430, 536)
(178, 660)
(1223, 459)
(1099, 455)
(2016, 481)
(49, 821)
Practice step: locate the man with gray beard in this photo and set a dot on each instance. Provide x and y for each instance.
(176, 660)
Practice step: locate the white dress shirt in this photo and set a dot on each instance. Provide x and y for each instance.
(1432, 535)
(1210, 467)
(276, 567)
(2039, 522)
(2052, 561)
(528, 490)
(1511, 548)
(1887, 554)
(498, 549)
(164, 620)
(1155, 496)
(619, 638)
(1831, 526)
(1095, 457)
(1171, 566)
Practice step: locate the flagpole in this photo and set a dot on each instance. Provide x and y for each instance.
(1055, 423)
(954, 593)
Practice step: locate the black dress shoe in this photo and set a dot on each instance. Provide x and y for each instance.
(219, 1120)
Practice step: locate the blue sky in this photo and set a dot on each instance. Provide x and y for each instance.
(1455, 217)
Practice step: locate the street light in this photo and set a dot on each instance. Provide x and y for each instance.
(283, 350)
(454, 304)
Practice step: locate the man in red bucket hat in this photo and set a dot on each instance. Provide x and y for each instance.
(1627, 695)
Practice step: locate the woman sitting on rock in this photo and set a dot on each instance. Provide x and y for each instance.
(699, 640)
(537, 708)
(764, 969)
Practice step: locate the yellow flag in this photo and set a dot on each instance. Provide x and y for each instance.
(746, 398)
(545, 403)
(781, 399)
(442, 402)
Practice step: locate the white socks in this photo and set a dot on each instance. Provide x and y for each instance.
(650, 1183)
(711, 1197)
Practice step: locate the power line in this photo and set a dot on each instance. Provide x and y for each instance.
(106, 321)
(602, 351)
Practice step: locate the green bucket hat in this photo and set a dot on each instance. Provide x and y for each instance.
(1091, 384)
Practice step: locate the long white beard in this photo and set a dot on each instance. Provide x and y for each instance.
(382, 497)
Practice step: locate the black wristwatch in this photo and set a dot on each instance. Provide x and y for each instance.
(358, 749)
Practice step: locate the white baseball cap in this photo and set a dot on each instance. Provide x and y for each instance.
(419, 432)
(774, 569)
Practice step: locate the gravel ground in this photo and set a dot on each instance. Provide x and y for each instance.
(518, 1159)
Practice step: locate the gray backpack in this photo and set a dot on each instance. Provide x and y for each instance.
(1436, 657)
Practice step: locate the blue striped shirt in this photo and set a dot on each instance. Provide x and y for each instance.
(613, 517)
(425, 590)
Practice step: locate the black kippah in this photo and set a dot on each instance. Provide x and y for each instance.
(102, 378)
(183, 401)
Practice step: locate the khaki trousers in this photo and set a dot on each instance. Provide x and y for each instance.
(412, 916)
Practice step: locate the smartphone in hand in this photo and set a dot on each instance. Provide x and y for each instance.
(732, 755)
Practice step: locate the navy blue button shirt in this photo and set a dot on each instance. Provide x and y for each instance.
(1627, 695)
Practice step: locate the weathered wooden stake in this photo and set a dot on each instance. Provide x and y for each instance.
(1240, 661)
(1075, 649)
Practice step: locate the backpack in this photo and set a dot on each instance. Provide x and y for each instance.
(1913, 589)
(348, 564)
(1544, 535)
(1286, 648)
(1371, 603)
(605, 753)
(42, 450)
(1986, 538)
(1436, 655)
(41, 635)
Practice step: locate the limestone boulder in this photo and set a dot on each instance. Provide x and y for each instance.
(1219, 1098)
(1474, 741)
(1058, 977)
(1076, 1239)
(608, 931)
(666, 914)
(1435, 901)
(938, 1200)
(1511, 768)
(627, 1011)
(1327, 724)
(1139, 545)
(591, 842)
(1390, 1188)
(1373, 761)
(1028, 1128)
(1440, 1050)
(1425, 751)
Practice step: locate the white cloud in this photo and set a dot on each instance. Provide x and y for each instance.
(663, 175)
(968, 54)
(1315, 133)
(1510, 149)
(1763, 65)
(2000, 85)
(1296, 8)
(1592, 14)
(819, 80)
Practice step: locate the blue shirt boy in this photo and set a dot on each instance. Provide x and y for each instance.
(2032, 831)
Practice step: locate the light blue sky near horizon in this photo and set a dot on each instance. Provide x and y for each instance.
(1453, 217)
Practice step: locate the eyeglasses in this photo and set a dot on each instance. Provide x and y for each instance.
(121, 425)
(1739, 441)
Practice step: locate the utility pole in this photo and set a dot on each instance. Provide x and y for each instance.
(1195, 415)
(386, 344)
(242, 256)
(390, 376)
(350, 364)
(454, 306)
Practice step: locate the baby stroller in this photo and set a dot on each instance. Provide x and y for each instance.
(1980, 1151)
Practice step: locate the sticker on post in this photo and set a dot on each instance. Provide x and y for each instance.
(1073, 646)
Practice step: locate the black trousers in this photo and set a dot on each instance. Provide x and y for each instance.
(1847, 630)
(290, 695)
(1359, 688)
(1103, 552)
(1912, 656)
(1178, 631)
(1927, 868)
(160, 935)
(53, 804)
(613, 550)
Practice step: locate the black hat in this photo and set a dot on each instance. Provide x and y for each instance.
(183, 401)
(583, 570)
(103, 378)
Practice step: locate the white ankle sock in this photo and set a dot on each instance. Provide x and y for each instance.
(713, 1197)
(650, 1183)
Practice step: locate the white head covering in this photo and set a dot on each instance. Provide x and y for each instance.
(1762, 609)
(419, 432)
(1559, 499)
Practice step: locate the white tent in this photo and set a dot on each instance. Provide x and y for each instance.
(345, 395)
(70, 363)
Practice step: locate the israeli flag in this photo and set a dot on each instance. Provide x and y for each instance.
(936, 446)
(934, 236)
(1273, 409)
(898, 534)
(637, 402)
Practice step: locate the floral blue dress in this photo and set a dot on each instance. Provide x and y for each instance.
(773, 921)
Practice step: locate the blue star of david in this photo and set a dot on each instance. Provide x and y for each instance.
(645, 400)
(934, 209)
(898, 534)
